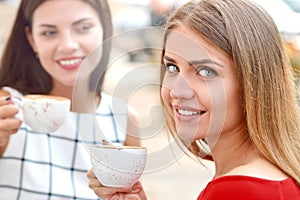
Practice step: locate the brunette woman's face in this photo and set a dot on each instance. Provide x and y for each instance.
(200, 88)
(63, 33)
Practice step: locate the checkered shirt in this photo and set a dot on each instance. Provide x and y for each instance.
(53, 166)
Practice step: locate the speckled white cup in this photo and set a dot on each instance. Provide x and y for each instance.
(43, 113)
(118, 166)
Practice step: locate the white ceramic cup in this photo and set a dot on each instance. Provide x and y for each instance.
(118, 166)
(43, 113)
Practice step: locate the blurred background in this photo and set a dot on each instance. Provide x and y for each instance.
(133, 74)
(138, 14)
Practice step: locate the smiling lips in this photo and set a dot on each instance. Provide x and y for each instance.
(187, 115)
(70, 64)
(187, 112)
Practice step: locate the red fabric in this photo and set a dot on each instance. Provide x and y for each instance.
(250, 188)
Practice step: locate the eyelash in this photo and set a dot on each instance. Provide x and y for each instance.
(199, 70)
(169, 65)
(48, 33)
(207, 69)
(80, 29)
(84, 27)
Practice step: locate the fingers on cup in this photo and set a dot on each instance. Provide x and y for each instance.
(118, 166)
(8, 111)
(43, 113)
(90, 174)
(10, 125)
(7, 117)
(5, 100)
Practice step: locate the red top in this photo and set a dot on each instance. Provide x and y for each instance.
(250, 188)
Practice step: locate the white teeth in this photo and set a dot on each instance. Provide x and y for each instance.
(70, 62)
(187, 112)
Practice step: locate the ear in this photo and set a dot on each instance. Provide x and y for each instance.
(30, 38)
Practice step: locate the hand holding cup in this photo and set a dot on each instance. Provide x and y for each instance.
(118, 166)
(8, 124)
(104, 192)
(43, 113)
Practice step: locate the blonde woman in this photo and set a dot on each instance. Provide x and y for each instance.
(227, 82)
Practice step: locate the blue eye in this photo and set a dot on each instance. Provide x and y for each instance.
(171, 68)
(207, 72)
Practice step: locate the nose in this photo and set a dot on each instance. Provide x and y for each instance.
(181, 89)
(67, 43)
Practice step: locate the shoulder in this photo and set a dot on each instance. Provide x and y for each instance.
(246, 187)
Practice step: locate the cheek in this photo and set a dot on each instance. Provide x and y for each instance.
(46, 59)
(234, 104)
(41, 44)
(165, 95)
(89, 46)
(45, 51)
(93, 40)
(234, 110)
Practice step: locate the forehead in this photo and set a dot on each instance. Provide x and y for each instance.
(63, 10)
(188, 44)
(184, 44)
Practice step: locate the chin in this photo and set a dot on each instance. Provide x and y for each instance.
(187, 136)
(69, 82)
(188, 132)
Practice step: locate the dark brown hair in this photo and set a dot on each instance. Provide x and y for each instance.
(19, 67)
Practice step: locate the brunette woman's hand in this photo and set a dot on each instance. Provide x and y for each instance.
(8, 124)
(136, 192)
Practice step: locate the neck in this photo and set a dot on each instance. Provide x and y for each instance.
(235, 154)
(61, 90)
(85, 100)
(82, 99)
(232, 151)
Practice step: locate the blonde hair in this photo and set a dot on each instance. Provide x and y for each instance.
(249, 35)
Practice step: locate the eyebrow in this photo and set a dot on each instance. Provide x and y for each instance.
(195, 62)
(73, 24)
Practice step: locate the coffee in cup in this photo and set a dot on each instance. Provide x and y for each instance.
(118, 166)
(43, 113)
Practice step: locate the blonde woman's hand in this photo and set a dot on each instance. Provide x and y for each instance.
(8, 124)
(136, 192)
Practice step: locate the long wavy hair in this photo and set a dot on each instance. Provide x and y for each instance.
(249, 35)
(19, 67)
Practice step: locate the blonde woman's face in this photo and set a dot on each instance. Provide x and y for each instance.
(64, 32)
(200, 88)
